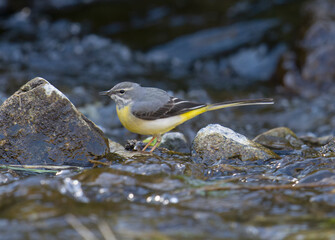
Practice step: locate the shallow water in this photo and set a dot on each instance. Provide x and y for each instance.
(166, 196)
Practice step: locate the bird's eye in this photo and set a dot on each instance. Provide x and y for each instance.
(122, 91)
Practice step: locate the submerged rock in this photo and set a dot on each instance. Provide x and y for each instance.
(279, 138)
(214, 143)
(39, 125)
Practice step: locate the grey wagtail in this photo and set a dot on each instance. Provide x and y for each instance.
(152, 111)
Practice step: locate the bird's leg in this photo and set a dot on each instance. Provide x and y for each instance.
(159, 139)
(146, 146)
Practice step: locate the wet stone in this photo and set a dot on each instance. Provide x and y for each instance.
(39, 125)
(279, 138)
(215, 143)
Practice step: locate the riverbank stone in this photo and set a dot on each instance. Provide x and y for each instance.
(215, 143)
(39, 125)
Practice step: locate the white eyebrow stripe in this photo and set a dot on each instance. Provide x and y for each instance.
(126, 89)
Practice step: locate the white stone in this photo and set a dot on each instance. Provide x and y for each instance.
(227, 132)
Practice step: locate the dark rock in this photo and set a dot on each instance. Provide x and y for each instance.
(214, 143)
(39, 125)
(209, 42)
(279, 138)
(175, 141)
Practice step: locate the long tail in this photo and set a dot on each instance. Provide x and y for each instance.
(236, 103)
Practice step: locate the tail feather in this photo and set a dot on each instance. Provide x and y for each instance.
(260, 101)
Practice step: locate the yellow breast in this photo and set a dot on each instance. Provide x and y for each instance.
(152, 127)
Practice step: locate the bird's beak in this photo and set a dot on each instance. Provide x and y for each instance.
(106, 93)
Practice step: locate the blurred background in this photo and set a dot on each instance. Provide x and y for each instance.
(206, 51)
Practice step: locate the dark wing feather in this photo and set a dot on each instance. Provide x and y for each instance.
(173, 107)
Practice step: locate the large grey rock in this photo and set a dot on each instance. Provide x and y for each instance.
(215, 143)
(39, 125)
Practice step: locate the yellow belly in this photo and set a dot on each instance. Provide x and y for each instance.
(153, 127)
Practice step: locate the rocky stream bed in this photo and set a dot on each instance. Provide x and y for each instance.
(256, 172)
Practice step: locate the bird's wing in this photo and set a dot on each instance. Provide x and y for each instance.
(174, 106)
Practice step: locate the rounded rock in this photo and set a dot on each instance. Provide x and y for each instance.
(279, 138)
(215, 143)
